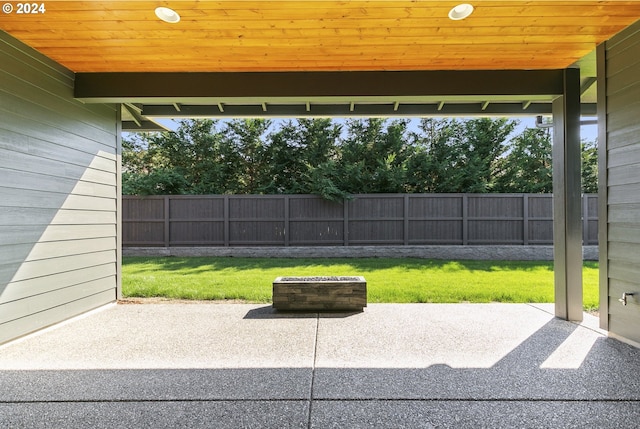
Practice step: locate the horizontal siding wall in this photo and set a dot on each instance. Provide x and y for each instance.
(623, 185)
(365, 219)
(58, 195)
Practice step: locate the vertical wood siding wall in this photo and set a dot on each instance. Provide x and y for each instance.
(306, 220)
(623, 162)
(58, 195)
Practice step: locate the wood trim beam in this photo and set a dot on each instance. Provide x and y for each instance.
(144, 87)
(135, 116)
(587, 84)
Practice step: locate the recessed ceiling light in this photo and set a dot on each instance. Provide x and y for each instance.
(167, 15)
(461, 11)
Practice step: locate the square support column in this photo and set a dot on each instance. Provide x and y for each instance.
(567, 224)
(603, 185)
(119, 202)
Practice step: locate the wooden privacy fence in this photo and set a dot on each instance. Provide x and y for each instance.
(366, 219)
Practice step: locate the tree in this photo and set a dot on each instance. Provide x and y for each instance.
(370, 156)
(244, 139)
(433, 164)
(528, 165)
(482, 144)
(589, 167)
(302, 157)
(145, 170)
(373, 156)
(160, 181)
(453, 156)
(192, 160)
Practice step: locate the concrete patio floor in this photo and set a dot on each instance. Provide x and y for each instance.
(391, 366)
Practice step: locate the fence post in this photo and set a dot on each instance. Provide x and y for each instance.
(465, 219)
(525, 219)
(585, 219)
(167, 221)
(225, 227)
(345, 227)
(406, 219)
(286, 220)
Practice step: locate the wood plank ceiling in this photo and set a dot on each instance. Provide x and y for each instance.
(229, 36)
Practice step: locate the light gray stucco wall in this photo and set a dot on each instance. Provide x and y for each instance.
(58, 195)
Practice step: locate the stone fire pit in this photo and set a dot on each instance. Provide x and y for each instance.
(320, 293)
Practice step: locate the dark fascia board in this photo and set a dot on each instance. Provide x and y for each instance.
(146, 87)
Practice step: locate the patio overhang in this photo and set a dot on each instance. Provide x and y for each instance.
(323, 57)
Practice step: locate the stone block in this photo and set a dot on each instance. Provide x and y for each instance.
(347, 293)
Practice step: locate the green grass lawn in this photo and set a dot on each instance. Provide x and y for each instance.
(388, 279)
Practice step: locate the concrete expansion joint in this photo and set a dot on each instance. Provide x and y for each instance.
(479, 400)
(332, 399)
(313, 369)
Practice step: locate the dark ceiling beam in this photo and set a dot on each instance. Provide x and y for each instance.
(142, 127)
(124, 87)
(357, 110)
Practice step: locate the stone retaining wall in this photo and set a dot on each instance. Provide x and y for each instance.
(508, 253)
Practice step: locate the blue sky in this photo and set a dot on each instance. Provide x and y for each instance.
(588, 132)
